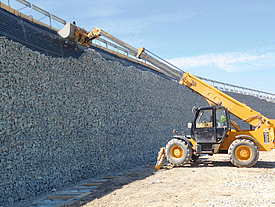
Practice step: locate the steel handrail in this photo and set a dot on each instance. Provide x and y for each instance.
(41, 11)
(239, 89)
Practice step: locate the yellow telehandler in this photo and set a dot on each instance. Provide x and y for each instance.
(212, 128)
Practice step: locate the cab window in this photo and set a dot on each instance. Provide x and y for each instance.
(221, 118)
(204, 119)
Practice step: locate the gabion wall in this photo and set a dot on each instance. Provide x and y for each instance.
(63, 120)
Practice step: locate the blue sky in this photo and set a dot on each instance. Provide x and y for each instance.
(229, 41)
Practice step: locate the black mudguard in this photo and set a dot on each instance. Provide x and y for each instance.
(184, 138)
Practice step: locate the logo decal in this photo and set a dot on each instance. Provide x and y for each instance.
(266, 136)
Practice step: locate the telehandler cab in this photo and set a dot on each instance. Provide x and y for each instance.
(208, 129)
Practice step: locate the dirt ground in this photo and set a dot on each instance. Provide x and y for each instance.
(211, 181)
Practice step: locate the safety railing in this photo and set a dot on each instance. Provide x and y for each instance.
(115, 47)
(110, 45)
(45, 14)
(239, 89)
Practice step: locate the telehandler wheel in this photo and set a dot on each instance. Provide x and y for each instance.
(178, 152)
(243, 153)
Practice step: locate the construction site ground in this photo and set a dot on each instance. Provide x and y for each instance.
(211, 181)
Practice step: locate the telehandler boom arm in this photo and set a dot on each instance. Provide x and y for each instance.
(217, 97)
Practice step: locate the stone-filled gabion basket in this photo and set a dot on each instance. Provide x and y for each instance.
(66, 119)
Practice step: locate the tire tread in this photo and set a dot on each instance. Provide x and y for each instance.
(231, 152)
(188, 152)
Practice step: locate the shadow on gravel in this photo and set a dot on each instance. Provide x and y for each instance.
(264, 164)
(113, 184)
(205, 162)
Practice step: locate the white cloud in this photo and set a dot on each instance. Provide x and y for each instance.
(230, 61)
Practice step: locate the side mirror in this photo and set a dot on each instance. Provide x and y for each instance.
(194, 109)
(189, 125)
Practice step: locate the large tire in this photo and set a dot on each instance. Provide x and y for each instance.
(178, 152)
(243, 153)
